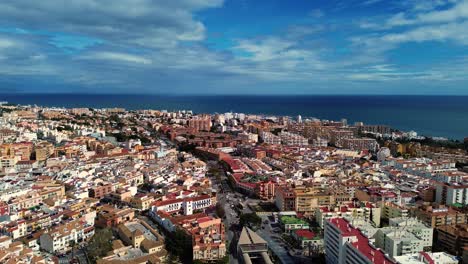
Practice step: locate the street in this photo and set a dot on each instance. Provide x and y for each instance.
(225, 198)
(274, 241)
(79, 256)
(229, 199)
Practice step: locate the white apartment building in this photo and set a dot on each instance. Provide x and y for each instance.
(270, 138)
(15, 229)
(61, 238)
(427, 257)
(187, 205)
(404, 236)
(291, 139)
(452, 193)
(346, 244)
(322, 214)
(319, 142)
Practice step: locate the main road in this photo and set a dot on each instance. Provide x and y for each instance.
(274, 241)
(225, 197)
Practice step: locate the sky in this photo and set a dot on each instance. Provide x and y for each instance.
(234, 46)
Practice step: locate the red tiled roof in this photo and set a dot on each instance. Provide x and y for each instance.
(427, 258)
(305, 233)
(362, 243)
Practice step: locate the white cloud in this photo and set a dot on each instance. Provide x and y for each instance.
(382, 68)
(457, 32)
(317, 13)
(142, 46)
(146, 22)
(6, 43)
(371, 2)
(115, 56)
(427, 5)
(266, 49)
(427, 14)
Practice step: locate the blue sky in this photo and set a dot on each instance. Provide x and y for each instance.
(234, 46)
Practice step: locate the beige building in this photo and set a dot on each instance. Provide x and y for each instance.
(139, 244)
(139, 235)
(439, 216)
(142, 202)
(392, 210)
(44, 150)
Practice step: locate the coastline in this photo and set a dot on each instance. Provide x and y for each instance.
(436, 116)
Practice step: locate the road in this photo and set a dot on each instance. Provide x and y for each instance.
(274, 242)
(79, 255)
(228, 197)
(225, 197)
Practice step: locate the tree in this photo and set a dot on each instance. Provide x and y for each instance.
(224, 260)
(220, 212)
(100, 244)
(115, 118)
(250, 219)
(171, 259)
(180, 244)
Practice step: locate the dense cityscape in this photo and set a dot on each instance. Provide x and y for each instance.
(111, 186)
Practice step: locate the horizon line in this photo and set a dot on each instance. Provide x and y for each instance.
(219, 94)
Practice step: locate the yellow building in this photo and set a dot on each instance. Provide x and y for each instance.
(142, 202)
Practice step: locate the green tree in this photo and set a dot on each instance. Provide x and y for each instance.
(224, 260)
(220, 212)
(250, 219)
(171, 259)
(180, 244)
(115, 118)
(100, 244)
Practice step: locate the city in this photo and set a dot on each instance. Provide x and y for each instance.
(111, 185)
(234, 132)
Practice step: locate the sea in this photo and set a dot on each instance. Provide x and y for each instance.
(436, 116)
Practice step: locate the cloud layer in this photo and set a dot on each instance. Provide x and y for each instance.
(166, 47)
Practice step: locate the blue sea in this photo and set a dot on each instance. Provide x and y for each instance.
(444, 116)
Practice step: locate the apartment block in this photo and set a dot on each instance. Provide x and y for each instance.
(435, 216)
(344, 243)
(452, 239)
(62, 237)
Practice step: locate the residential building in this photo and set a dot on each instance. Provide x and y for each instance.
(109, 216)
(344, 243)
(307, 238)
(270, 138)
(449, 194)
(393, 210)
(62, 237)
(101, 190)
(435, 216)
(201, 123)
(426, 258)
(404, 236)
(291, 139)
(290, 223)
(285, 199)
(367, 211)
(360, 144)
(452, 239)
